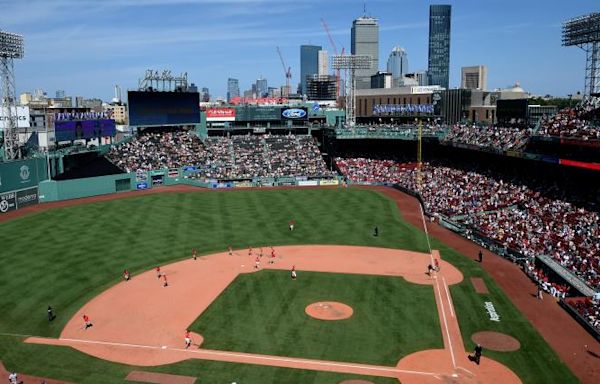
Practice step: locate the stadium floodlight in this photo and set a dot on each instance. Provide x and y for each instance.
(351, 62)
(584, 32)
(11, 47)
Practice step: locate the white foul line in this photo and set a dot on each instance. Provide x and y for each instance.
(426, 232)
(437, 285)
(450, 304)
(250, 357)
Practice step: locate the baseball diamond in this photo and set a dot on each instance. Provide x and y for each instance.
(246, 318)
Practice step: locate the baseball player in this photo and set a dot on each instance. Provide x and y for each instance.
(293, 272)
(257, 262)
(50, 314)
(230, 250)
(250, 251)
(13, 378)
(165, 284)
(87, 322)
(194, 253)
(429, 269)
(158, 272)
(436, 264)
(261, 252)
(188, 339)
(126, 275)
(272, 261)
(292, 223)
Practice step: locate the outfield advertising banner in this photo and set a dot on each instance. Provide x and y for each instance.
(329, 182)
(220, 114)
(14, 200)
(163, 108)
(27, 197)
(8, 202)
(308, 183)
(294, 114)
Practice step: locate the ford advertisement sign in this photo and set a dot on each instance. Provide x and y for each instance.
(294, 113)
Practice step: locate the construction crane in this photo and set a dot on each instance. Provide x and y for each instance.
(335, 52)
(288, 75)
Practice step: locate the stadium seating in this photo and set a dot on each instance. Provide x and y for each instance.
(235, 157)
(517, 216)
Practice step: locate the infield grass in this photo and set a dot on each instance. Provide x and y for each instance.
(64, 257)
(264, 313)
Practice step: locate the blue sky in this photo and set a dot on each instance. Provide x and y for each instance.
(86, 47)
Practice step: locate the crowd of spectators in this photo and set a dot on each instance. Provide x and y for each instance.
(520, 218)
(156, 150)
(489, 137)
(235, 157)
(589, 310)
(570, 123)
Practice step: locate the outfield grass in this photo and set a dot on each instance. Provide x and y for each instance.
(64, 257)
(263, 313)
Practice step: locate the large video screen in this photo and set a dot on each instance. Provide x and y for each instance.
(163, 108)
(70, 130)
(512, 111)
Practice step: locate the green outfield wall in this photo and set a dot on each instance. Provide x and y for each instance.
(91, 186)
(22, 174)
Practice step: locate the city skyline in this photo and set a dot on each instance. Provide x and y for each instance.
(114, 42)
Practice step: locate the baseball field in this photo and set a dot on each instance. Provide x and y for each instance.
(252, 325)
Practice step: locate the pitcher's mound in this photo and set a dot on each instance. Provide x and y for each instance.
(496, 341)
(329, 310)
(355, 382)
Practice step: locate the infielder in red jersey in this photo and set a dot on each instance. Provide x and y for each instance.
(87, 321)
(257, 262)
(158, 272)
(165, 284)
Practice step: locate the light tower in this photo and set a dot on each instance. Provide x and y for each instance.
(584, 32)
(11, 47)
(351, 62)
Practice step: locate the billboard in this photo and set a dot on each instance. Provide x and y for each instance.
(70, 130)
(255, 113)
(416, 90)
(20, 115)
(163, 108)
(18, 199)
(402, 108)
(220, 114)
(294, 114)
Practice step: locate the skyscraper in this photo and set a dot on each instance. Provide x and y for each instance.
(397, 64)
(233, 88)
(323, 64)
(309, 63)
(262, 89)
(439, 45)
(365, 41)
(474, 77)
(205, 94)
